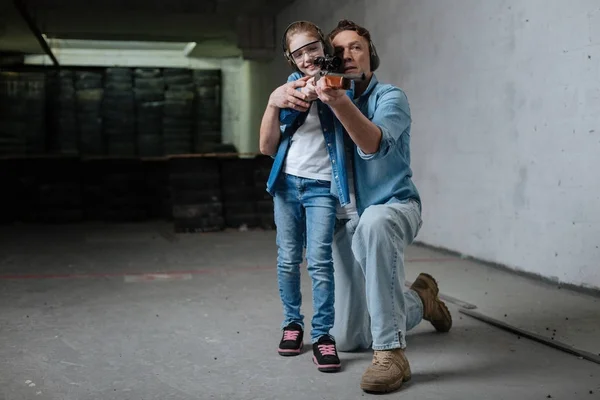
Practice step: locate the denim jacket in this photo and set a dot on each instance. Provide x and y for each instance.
(290, 121)
(379, 178)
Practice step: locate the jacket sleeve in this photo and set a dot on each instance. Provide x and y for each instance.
(287, 116)
(392, 116)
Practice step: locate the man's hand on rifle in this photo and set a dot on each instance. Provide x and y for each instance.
(329, 95)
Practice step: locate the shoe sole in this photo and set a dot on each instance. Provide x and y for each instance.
(432, 283)
(328, 367)
(381, 388)
(290, 352)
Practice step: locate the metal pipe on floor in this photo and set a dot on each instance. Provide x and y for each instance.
(538, 338)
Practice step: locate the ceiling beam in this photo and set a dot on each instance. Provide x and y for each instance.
(22, 8)
(15, 35)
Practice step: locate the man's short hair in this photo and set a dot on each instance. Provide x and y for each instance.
(347, 25)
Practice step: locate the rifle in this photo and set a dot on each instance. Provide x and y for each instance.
(330, 71)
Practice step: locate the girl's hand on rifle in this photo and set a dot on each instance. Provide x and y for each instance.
(310, 90)
(288, 96)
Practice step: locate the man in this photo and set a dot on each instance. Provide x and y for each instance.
(371, 307)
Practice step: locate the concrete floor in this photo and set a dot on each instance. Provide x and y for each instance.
(83, 317)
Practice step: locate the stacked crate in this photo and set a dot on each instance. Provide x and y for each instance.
(90, 93)
(34, 98)
(264, 201)
(13, 112)
(11, 189)
(124, 190)
(207, 129)
(118, 112)
(124, 112)
(178, 111)
(22, 113)
(157, 193)
(237, 183)
(63, 109)
(59, 197)
(92, 188)
(25, 173)
(149, 103)
(196, 194)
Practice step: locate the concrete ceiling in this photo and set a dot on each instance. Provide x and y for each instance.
(15, 35)
(231, 25)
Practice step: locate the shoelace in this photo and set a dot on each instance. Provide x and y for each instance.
(382, 358)
(327, 349)
(290, 335)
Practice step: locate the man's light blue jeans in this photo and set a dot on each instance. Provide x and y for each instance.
(305, 214)
(372, 307)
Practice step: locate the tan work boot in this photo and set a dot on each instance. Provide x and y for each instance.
(434, 310)
(388, 370)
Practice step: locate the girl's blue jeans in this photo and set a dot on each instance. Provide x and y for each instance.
(305, 216)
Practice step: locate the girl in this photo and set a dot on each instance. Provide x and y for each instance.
(307, 181)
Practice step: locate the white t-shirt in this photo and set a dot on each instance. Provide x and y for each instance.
(307, 156)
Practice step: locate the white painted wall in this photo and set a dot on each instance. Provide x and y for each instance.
(256, 83)
(231, 123)
(505, 97)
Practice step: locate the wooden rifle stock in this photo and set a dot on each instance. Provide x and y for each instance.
(341, 81)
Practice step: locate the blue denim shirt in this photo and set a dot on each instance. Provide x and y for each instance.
(290, 121)
(379, 178)
(384, 176)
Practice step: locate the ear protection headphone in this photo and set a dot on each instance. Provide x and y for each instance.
(373, 57)
(327, 47)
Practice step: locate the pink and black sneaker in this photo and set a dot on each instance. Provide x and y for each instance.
(291, 340)
(325, 355)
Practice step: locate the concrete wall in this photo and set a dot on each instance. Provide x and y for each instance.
(505, 97)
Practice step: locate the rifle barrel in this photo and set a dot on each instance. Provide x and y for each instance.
(355, 77)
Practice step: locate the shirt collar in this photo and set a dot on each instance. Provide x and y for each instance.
(372, 84)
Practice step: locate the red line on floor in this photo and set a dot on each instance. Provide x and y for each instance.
(430, 260)
(122, 274)
(193, 272)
